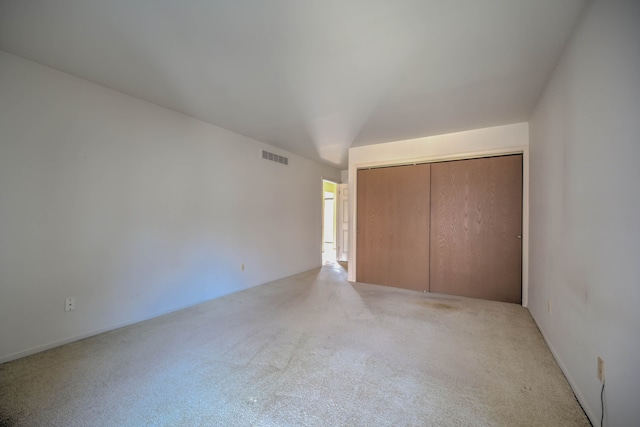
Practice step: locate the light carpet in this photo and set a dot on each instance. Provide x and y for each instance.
(308, 350)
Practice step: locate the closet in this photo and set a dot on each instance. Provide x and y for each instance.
(393, 226)
(449, 227)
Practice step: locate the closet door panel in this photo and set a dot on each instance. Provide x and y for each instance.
(393, 226)
(476, 228)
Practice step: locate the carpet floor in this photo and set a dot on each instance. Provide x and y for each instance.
(308, 350)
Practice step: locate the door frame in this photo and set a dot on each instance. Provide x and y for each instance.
(520, 149)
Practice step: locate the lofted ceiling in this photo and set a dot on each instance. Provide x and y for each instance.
(314, 77)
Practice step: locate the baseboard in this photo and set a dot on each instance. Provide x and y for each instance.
(593, 417)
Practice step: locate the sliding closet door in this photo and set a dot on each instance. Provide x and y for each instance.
(393, 226)
(476, 228)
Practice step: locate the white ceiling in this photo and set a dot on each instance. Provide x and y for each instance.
(310, 76)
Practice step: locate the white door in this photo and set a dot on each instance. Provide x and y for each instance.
(328, 217)
(343, 222)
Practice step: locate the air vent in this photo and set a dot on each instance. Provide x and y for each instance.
(275, 157)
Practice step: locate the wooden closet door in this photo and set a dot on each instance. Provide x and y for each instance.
(476, 228)
(393, 226)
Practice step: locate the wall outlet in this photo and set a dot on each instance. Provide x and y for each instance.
(549, 307)
(69, 304)
(242, 267)
(601, 370)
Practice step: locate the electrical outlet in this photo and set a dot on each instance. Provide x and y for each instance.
(69, 304)
(549, 307)
(242, 267)
(601, 370)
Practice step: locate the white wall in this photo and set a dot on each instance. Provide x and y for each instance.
(133, 209)
(475, 143)
(585, 210)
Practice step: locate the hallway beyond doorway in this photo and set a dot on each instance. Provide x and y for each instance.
(328, 253)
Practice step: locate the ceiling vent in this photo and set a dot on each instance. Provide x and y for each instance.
(275, 157)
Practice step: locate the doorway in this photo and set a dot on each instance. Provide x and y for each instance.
(329, 196)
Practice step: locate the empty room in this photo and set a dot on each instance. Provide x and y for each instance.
(319, 213)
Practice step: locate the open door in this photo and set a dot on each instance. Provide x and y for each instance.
(343, 222)
(329, 199)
